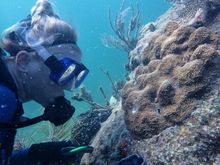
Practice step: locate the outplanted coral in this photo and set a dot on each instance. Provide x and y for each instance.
(183, 64)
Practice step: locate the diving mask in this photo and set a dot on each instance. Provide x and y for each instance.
(66, 72)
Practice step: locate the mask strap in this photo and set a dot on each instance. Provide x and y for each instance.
(50, 61)
(42, 52)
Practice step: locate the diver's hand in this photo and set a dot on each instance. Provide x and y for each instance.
(56, 151)
(59, 112)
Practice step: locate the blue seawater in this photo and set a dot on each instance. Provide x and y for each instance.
(90, 20)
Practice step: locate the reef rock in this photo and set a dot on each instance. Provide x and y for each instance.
(110, 145)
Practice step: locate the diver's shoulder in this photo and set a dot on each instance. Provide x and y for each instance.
(7, 97)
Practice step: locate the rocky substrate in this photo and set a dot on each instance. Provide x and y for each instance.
(112, 142)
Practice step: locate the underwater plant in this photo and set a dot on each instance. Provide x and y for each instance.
(22, 143)
(59, 133)
(126, 36)
(46, 131)
(116, 86)
(50, 132)
(85, 96)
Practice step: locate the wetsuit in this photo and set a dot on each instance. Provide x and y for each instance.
(11, 110)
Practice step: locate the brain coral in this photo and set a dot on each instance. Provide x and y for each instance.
(183, 64)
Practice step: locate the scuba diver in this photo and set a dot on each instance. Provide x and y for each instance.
(40, 60)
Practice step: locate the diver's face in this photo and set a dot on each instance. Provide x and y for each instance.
(38, 83)
(34, 79)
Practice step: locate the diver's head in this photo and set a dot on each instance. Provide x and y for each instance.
(26, 43)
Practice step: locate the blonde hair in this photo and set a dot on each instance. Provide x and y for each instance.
(45, 28)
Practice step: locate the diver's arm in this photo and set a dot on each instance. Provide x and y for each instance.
(49, 153)
(8, 106)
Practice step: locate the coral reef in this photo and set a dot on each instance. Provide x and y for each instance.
(170, 106)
